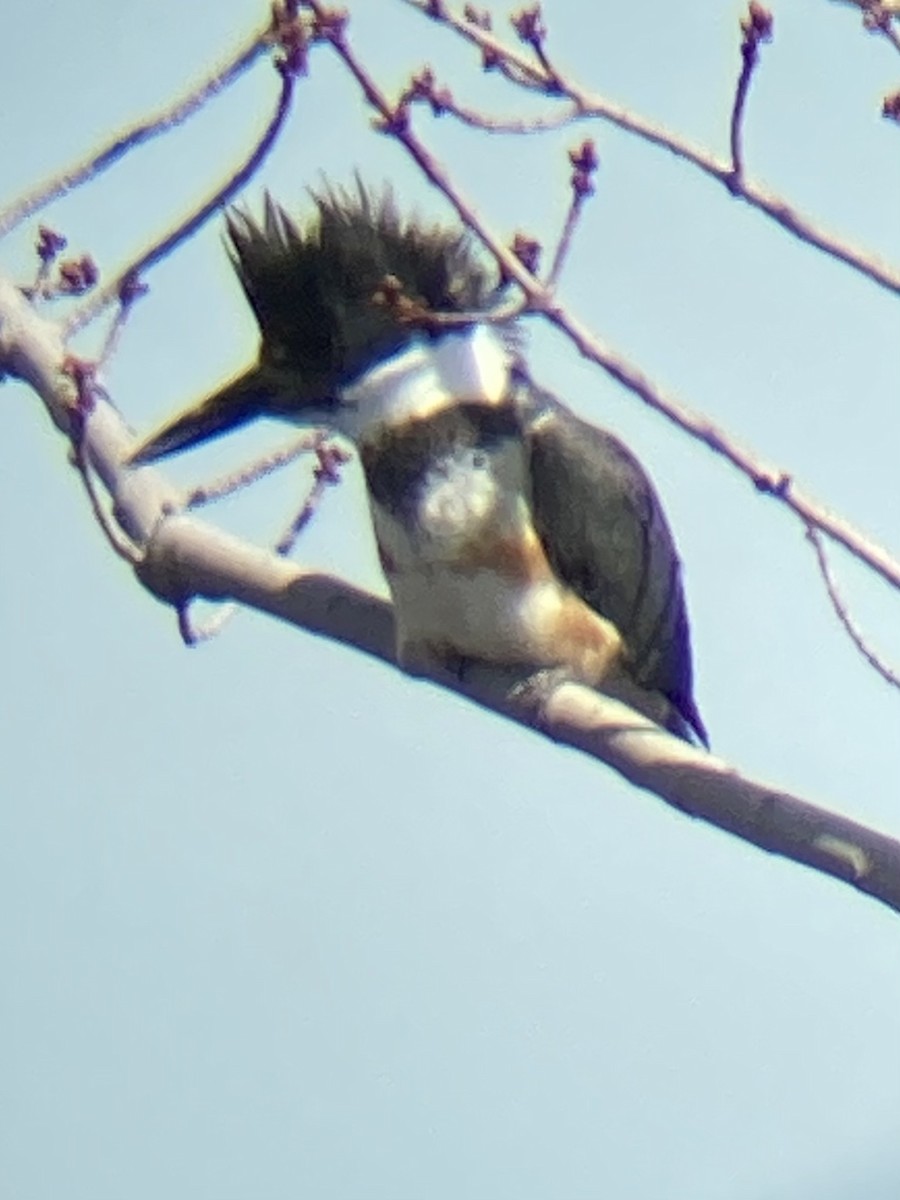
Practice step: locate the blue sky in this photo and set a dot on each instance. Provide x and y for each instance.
(277, 921)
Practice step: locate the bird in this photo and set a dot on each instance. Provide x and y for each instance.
(510, 530)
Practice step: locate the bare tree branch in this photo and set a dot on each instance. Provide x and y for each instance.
(221, 194)
(209, 493)
(184, 557)
(770, 481)
(423, 88)
(843, 613)
(584, 166)
(136, 134)
(589, 104)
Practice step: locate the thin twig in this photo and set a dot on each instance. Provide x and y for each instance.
(191, 633)
(530, 27)
(584, 166)
(423, 88)
(565, 241)
(588, 104)
(511, 125)
(131, 291)
(756, 28)
(291, 534)
(226, 485)
(327, 474)
(83, 376)
(420, 317)
(331, 458)
(185, 229)
(768, 480)
(134, 135)
(121, 545)
(843, 613)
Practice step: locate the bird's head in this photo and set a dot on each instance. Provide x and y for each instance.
(328, 298)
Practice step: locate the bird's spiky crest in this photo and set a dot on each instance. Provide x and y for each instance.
(312, 287)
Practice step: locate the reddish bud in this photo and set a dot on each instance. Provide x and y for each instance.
(477, 16)
(331, 24)
(131, 288)
(84, 375)
(49, 243)
(584, 162)
(528, 251)
(289, 32)
(529, 25)
(396, 123)
(584, 157)
(330, 458)
(758, 25)
(424, 87)
(78, 275)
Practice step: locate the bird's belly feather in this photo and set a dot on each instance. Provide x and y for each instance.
(483, 588)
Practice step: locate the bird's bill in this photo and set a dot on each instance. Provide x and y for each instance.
(240, 400)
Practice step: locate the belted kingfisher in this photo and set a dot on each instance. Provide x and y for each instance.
(510, 530)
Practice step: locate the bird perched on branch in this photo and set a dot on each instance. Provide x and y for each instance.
(510, 530)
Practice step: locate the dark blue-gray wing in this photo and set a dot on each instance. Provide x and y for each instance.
(603, 529)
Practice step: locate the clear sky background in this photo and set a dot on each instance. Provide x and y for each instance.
(276, 921)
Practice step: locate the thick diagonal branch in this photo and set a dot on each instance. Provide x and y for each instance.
(184, 557)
